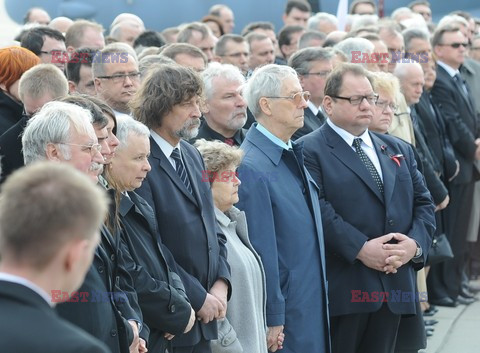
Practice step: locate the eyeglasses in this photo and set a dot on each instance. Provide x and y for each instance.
(320, 73)
(356, 100)
(134, 76)
(296, 98)
(385, 104)
(93, 149)
(455, 45)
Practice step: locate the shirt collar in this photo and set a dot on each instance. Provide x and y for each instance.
(348, 137)
(7, 277)
(273, 138)
(222, 218)
(166, 147)
(450, 70)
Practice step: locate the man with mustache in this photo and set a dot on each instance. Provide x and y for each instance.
(225, 109)
(168, 103)
(116, 76)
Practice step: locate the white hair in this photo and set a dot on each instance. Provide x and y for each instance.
(53, 124)
(314, 21)
(364, 21)
(126, 126)
(402, 70)
(266, 81)
(350, 46)
(452, 20)
(229, 72)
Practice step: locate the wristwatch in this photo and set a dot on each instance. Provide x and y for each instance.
(419, 252)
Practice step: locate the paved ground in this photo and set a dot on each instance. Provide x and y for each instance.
(458, 330)
(8, 28)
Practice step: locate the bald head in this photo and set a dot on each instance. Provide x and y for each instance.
(411, 80)
(61, 24)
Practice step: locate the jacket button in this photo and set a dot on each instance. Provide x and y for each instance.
(172, 308)
(113, 333)
(100, 269)
(391, 222)
(112, 257)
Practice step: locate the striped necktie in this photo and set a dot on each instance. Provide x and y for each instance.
(181, 171)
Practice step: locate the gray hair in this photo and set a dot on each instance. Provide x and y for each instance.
(400, 11)
(303, 59)
(414, 33)
(364, 21)
(315, 20)
(98, 66)
(126, 126)
(187, 30)
(229, 72)
(402, 70)
(53, 124)
(150, 61)
(305, 38)
(350, 45)
(452, 20)
(265, 81)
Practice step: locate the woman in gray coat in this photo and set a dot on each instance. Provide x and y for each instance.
(244, 329)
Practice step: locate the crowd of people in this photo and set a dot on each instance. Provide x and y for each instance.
(193, 190)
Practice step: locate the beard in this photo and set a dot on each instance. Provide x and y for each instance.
(189, 130)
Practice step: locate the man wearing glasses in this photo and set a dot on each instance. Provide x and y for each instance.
(48, 44)
(280, 200)
(116, 76)
(313, 65)
(233, 49)
(377, 214)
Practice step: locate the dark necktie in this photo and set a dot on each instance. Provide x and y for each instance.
(461, 83)
(230, 141)
(368, 163)
(181, 171)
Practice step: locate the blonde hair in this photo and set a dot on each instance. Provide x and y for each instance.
(386, 82)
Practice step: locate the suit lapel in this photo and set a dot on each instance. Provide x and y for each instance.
(349, 158)
(164, 164)
(389, 168)
(190, 166)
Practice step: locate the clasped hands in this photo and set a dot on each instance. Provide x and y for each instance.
(215, 304)
(381, 256)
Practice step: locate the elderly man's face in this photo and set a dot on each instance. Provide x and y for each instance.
(227, 110)
(83, 153)
(236, 54)
(287, 113)
(412, 85)
(314, 80)
(352, 118)
(119, 83)
(446, 51)
(228, 20)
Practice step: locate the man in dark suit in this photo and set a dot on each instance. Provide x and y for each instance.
(225, 110)
(177, 190)
(451, 94)
(63, 132)
(378, 217)
(280, 200)
(313, 65)
(50, 218)
(39, 85)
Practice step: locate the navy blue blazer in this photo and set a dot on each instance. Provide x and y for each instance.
(354, 211)
(280, 200)
(188, 228)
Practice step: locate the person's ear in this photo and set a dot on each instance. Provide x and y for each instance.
(75, 254)
(265, 107)
(72, 87)
(98, 85)
(327, 104)
(54, 153)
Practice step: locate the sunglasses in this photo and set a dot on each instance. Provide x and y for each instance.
(456, 45)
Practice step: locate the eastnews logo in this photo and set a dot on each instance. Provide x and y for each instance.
(394, 296)
(86, 58)
(59, 296)
(384, 58)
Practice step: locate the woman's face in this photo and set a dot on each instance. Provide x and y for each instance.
(12, 92)
(382, 113)
(225, 188)
(130, 166)
(112, 140)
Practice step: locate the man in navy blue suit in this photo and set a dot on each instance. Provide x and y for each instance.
(280, 200)
(378, 217)
(169, 104)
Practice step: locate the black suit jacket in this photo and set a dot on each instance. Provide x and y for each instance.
(107, 309)
(354, 211)
(461, 123)
(10, 112)
(11, 148)
(29, 325)
(188, 228)
(311, 122)
(160, 291)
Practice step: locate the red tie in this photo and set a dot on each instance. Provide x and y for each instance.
(229, 141)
